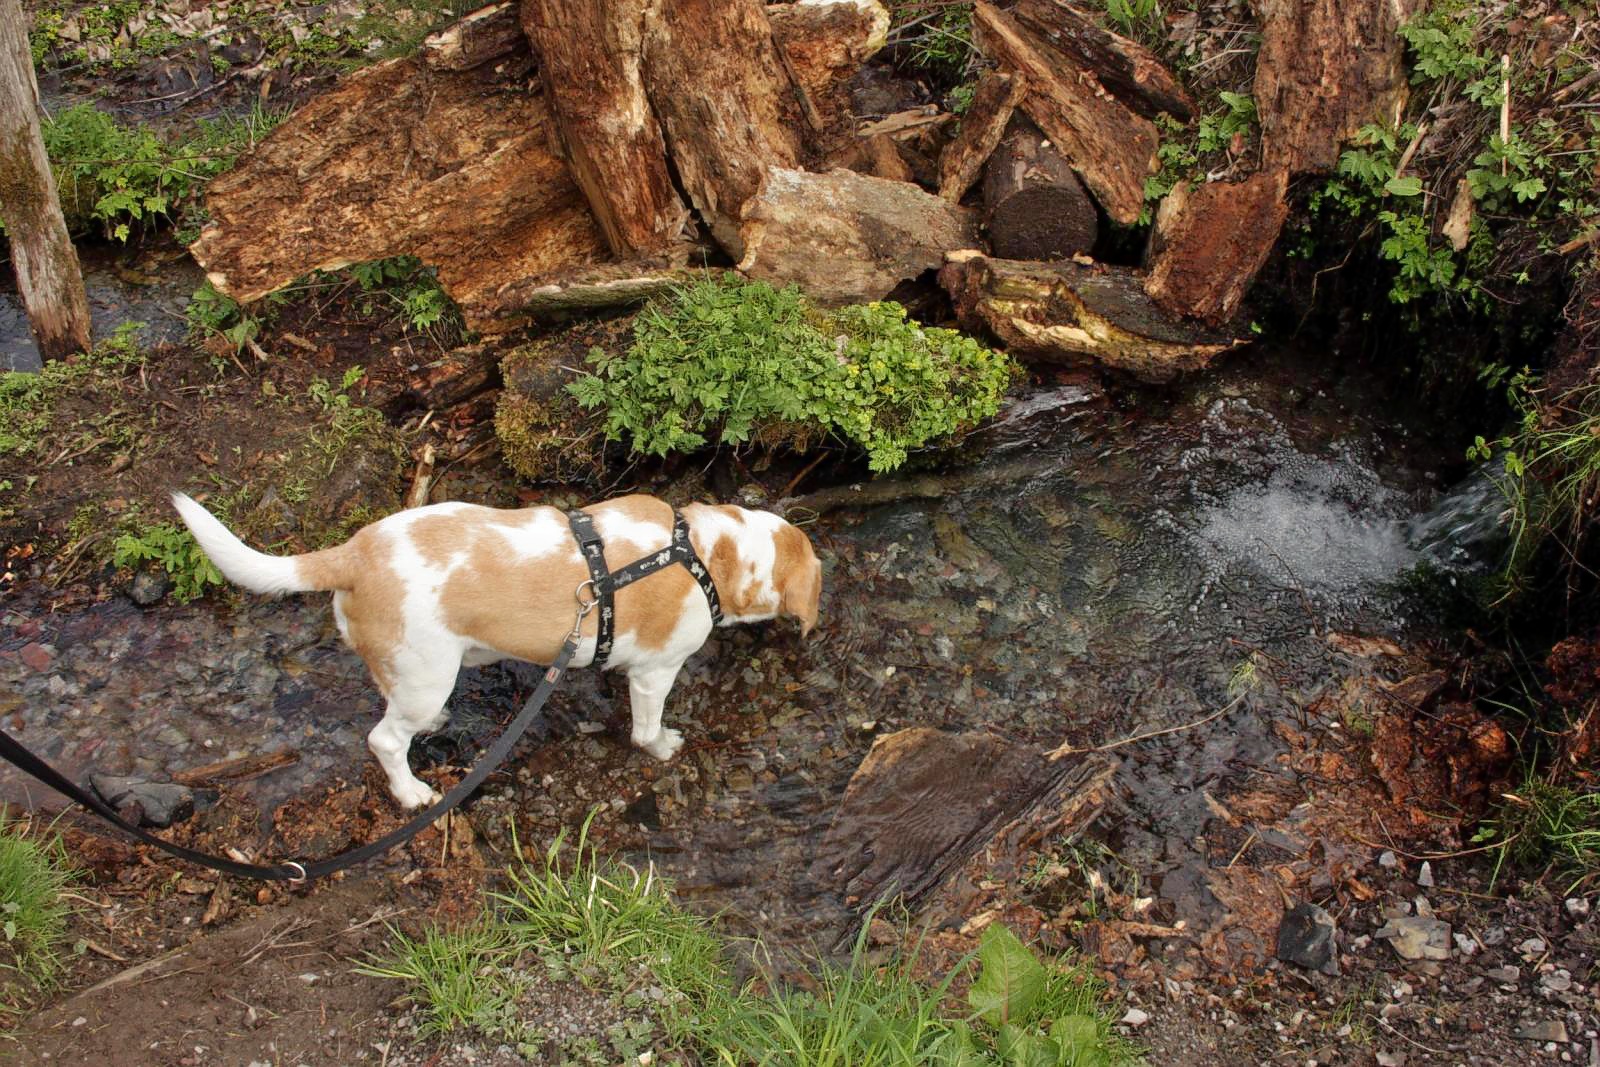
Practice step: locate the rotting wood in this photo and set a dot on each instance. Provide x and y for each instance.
(1072, 313)
(982, 126)
(823, 43)
(904, 146)
(1325, 69)
(725, 102)
(846, 237)
(589, 65)
(1033, 205)
(478, 37)
(1128, 69)
(49, 278)
(397, 161)
(590, 288)
(238, 769)
(439, 385)
(421, 478)
(1210, 241)
(1110, 147)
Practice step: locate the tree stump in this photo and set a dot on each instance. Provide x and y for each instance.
(1034, 206)
(1209, 242)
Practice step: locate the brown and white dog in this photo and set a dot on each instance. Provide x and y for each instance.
(423, 592)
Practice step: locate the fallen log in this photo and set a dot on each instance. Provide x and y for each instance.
(1112, 148)
(1034, 206)
(589, 288)
(1210, 241)
(905, 146)
(982, 126)
(1128, 69)
(588, 56)
(823, 43)
(479, 37)
(1325, 69)
(846, 237)
(1071, 313)
(399, 160)
(725, 101)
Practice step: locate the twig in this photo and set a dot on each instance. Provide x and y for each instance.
(1505, 110)
(1581, 241)
(1068, 750)
(1411, 149)
(795, 481)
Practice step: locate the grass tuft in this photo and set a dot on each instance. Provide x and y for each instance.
(33, 915)
(1547, 828)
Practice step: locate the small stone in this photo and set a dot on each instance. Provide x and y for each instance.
(1425, 875)
(80, 1020)
(1554, 1030)
(1391, 1059)
(1508, 975)
(1388, 861)
(35, 656)
(1494, 935)
(1465, 945)
(1416, 938)
(1135, 1017)
(587, 727)
(1577, 907)
(1533, 946)
(1307, 937)
(1557, 981)
(148, 588)
(158, 804)
(310, 977)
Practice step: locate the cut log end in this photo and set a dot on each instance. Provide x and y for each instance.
(1035, 208)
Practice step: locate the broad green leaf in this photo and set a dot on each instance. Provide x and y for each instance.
(1404, 186)
(1079, 1038)
(1011, 980)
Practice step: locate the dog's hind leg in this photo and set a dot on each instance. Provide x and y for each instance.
(647, 691)
(415, 705)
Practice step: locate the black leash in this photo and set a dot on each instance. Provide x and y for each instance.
(293, 870)
(603, 583)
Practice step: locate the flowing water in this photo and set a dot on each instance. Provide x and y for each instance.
(1101, 566)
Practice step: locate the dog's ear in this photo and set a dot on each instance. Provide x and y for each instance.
(797, 573)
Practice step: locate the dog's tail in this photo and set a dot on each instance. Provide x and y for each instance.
(257, 571)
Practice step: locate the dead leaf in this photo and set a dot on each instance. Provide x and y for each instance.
(1458, 223)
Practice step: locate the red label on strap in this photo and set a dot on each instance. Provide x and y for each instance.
(552, 676)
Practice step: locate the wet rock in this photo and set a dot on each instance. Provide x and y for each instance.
(157, 804)
(1308, 937)
(1417, 938)
(1554, 1030)
(35, 656)
(1507, 975)
(148, 588)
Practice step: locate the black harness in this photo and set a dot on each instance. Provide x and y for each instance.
(603, 583)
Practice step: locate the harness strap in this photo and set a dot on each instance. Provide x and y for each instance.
(606, 582)
(19, 756)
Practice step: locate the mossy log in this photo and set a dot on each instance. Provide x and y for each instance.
(1109, 146)
(1073, 313)
(1209, 241)
(846, 237)
(1033, 205)
(545, 436)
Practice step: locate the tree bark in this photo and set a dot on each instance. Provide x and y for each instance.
(982, 126)
(725, 101)
(845, 237)
(1326, 68)
(1209, 243)
(1034, 207)
(1125, 67)
(479, 37)
(1109, 146)
(48, 276)
(401, 160)
(589, 64)
(823, 43)
(1069, 313)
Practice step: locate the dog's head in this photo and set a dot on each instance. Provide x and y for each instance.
(797, 575)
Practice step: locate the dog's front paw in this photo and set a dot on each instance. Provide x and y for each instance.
(665, 746)
(414, 794)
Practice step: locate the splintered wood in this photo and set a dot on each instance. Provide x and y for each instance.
(1210, 241)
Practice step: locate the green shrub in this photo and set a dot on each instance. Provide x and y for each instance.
(175, 551)
(33, 915)
(728, 361)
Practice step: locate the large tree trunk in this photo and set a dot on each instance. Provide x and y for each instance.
(1109, 146)
(1125, 67)
(1326, 68)
(982, 126)
(1034, 207)
(1070, 313)
(452, 166)
(1209, 242)
(845, 237)
(726, 102)
(589, 64)
(48, 276)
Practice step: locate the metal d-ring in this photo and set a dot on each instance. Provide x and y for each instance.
(298, 867)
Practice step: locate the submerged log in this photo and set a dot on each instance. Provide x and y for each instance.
(1326, 68)
(1209, 242)
(1112, 148)
(1127, 68)
(589, 66)
(726, 102)
(982, 126)
(846, 237)
(1071, 313)
(1034, 206)
(394, 161)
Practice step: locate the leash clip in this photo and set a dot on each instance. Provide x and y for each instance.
(299, 867)
(584, 607)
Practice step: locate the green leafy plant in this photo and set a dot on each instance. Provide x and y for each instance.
(175, 551)
(34, 872)
(731, 361)
(413, 291)
(936, 35)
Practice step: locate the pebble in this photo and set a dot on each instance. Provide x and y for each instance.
(1554, 1030)
(1425, 875)
(1465, 945)
(1388, 860)
(1577, 907)
(1557, 981)
(35, 656)
(1533, 946)
(1391, 1059)
(1135, 1017)
(1507, 975)
(1417, 938)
